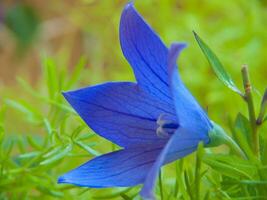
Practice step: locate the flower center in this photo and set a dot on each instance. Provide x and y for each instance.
(166, 126)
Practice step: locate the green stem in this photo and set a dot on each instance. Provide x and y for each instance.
(251, 109)
(160, 185)
(188, 186)
(198, 170)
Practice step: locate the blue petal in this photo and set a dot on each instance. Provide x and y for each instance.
(182, 143)
(120, 112)
(146, 53)
(122, 168)
(190, 114)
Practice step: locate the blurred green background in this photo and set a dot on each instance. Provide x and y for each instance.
(50, 46)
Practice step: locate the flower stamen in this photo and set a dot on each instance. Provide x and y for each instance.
(166, 126)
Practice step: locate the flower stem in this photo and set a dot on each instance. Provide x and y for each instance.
(251, 109)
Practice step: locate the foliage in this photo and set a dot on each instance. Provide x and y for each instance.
(23, 21)
(41, 137)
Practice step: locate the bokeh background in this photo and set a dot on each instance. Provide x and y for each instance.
(43, 42)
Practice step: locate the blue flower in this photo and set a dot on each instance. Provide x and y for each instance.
(155, 120)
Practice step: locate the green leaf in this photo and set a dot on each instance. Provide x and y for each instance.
(8, 147)
(28, 156)
(243, 124)
(263, 150)
(231, 166)
(58, 156)
(225, 169)
(263, 108)
(160, 185)
(113, 194)
(21, 144)
(246, 182)
(199, 156)
(23, 21)
(188, 185)
(47, 126)
(50, 72)
(207, 196)
(217, 65)
(77, 131)
(49, 191)
(2, 135)
(2, 114)
(85, 136)
(32, 114)
(242, 133)
(76, 74)
(61, 106)
(54, 151)
(2, 129)
(125, 197)
(27, 87)
(180, 187)
(87, 148)
(34, 142)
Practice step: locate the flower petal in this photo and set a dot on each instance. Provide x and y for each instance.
(120, 112)
(190, 114)
(146, 53)
(123, 168)
(193, 124)
(182, 143)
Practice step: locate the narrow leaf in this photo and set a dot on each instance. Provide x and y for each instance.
(242, 132)
(49, 67)
(113, 194)
(263, 108)
(32, 114)
(34, 143)
(58, 156)
(47, 126)
(230, 166)
(125, 197)
(28, 155)
(226, 169)
(76, 74)
(188, 185)
(54, 151)
(87, 148)
(199, 155)
(217, 65)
